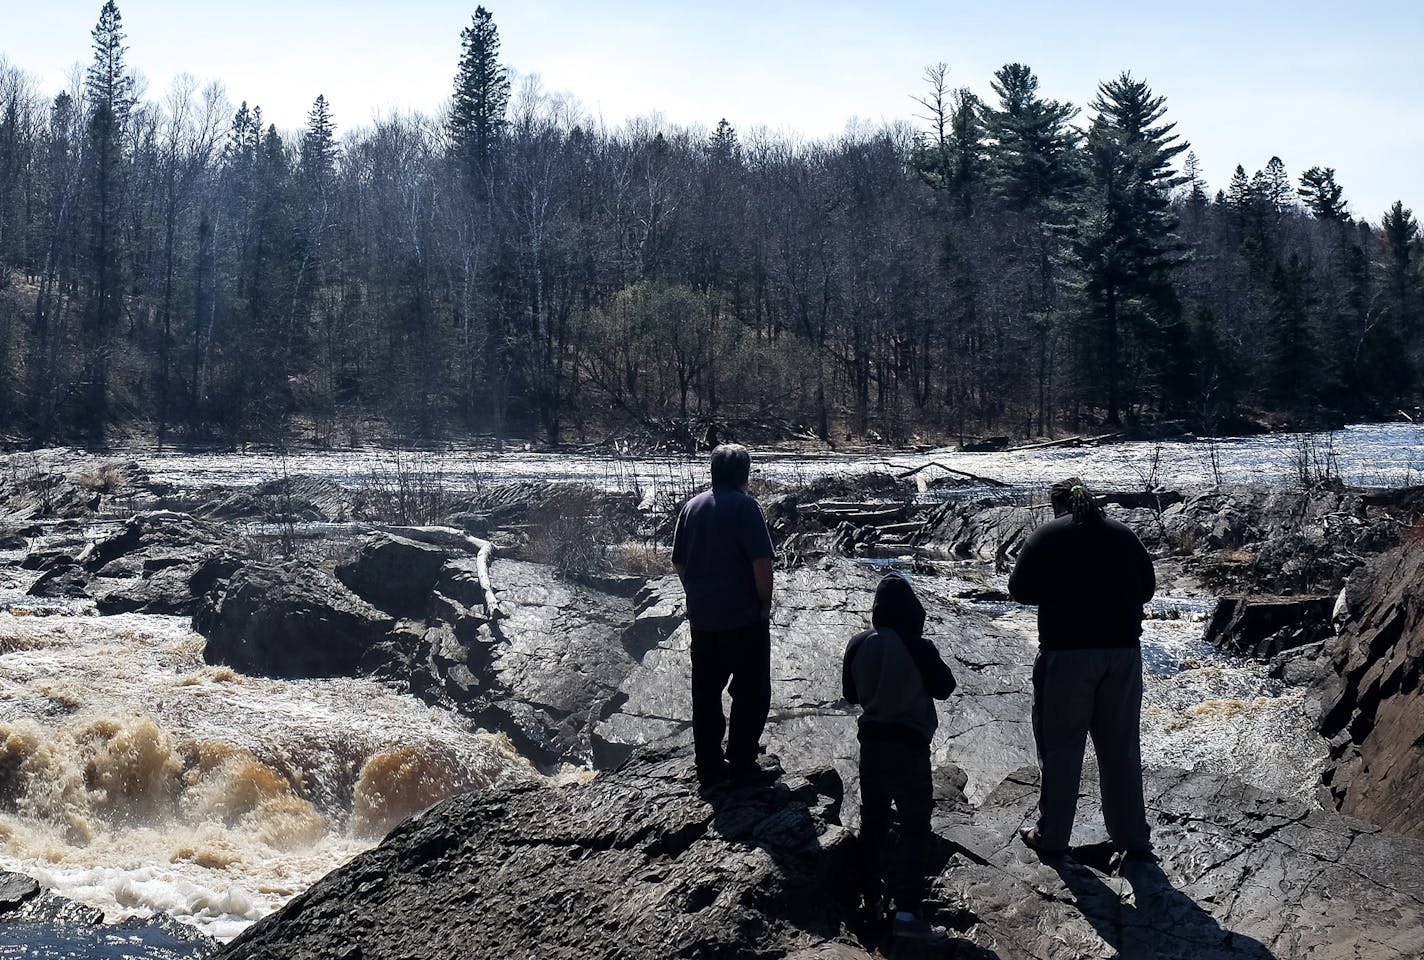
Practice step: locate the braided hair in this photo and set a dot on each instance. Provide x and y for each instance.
(1073, 496)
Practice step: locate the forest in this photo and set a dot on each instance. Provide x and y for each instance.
(181, 270)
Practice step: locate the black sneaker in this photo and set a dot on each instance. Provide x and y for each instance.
(751, 775)
(711, 774)
(1029, 836)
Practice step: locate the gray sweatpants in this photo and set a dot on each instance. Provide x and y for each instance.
(1097, 691)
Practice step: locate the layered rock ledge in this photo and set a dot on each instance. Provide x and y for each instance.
(636, 864)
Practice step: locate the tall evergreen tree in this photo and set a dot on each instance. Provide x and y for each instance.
(481, 100)
(1124, 241)
(1401, 287)
(318, 151)
(1322, 195)
(109, 89)
(1032, 164)
(1276, 186)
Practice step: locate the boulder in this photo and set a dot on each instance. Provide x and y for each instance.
(1372, 698)
(983, 530)
(158, 562)
(394, 573)
(287, 620)
(636, 864)
(15, 890)
(1263, 627)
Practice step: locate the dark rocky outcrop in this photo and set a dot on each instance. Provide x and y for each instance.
(1265, 626)
(1250, 540)
(555, 659)
(636, 865)
(392, 572)
(632, 865)
(159, 562)
(299, 499)
(1372, 698)
(288, 620)
(56, 926)
(1242, 875)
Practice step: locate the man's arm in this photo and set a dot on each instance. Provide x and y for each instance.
(1026, 580)
(679, 547)
(762, 571)
(1146, 574)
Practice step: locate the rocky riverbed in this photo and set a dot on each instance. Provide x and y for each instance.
(541, 661)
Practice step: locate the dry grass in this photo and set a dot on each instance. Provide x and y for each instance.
(640, 559)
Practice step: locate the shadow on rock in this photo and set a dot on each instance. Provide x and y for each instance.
(1159, 921)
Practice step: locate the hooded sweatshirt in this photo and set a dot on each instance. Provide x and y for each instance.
(892, 671)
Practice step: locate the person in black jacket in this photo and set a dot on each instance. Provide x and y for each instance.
(892, 671)
(1089, 575)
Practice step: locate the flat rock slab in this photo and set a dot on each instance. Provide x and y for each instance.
(558, 654)
(984, 727)
(1241, 875)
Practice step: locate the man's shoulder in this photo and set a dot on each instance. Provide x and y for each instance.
(1051, 529)
(1119, 528)
(697, 501)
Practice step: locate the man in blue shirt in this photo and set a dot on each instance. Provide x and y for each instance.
(721, 550)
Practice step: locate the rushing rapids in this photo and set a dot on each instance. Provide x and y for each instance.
(136, 778)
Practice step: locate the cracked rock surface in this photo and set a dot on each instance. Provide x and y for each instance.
(1241, 875)
(984, 728)
(1373, 701)
(633, 865)
(637, 864)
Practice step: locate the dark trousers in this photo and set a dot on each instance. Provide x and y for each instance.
(1077, 693)
(742, 656)
(895, 771)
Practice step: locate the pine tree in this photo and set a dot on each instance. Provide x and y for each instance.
(1192, 179)
(477, 113)
(1322, 195)
(1276, 186)
(1032, 163)
(110, 93)
(1124, 240)
(1401, 280)
(318, 152)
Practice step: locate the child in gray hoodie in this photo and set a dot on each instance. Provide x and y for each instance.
(892, 671)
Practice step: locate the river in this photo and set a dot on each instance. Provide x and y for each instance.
(145, 780)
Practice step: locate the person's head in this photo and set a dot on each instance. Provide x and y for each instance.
(897, 607)
(1073, 496)
(731, 466)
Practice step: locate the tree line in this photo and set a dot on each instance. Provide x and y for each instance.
(1012, 265)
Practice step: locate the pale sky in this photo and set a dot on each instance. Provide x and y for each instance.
(1317, 83)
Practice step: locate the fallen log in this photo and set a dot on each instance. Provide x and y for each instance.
(948, 469)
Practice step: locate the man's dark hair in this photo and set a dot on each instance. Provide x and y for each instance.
(731, 465)
(1073, 496)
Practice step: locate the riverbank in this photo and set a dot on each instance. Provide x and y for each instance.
(573, 662)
